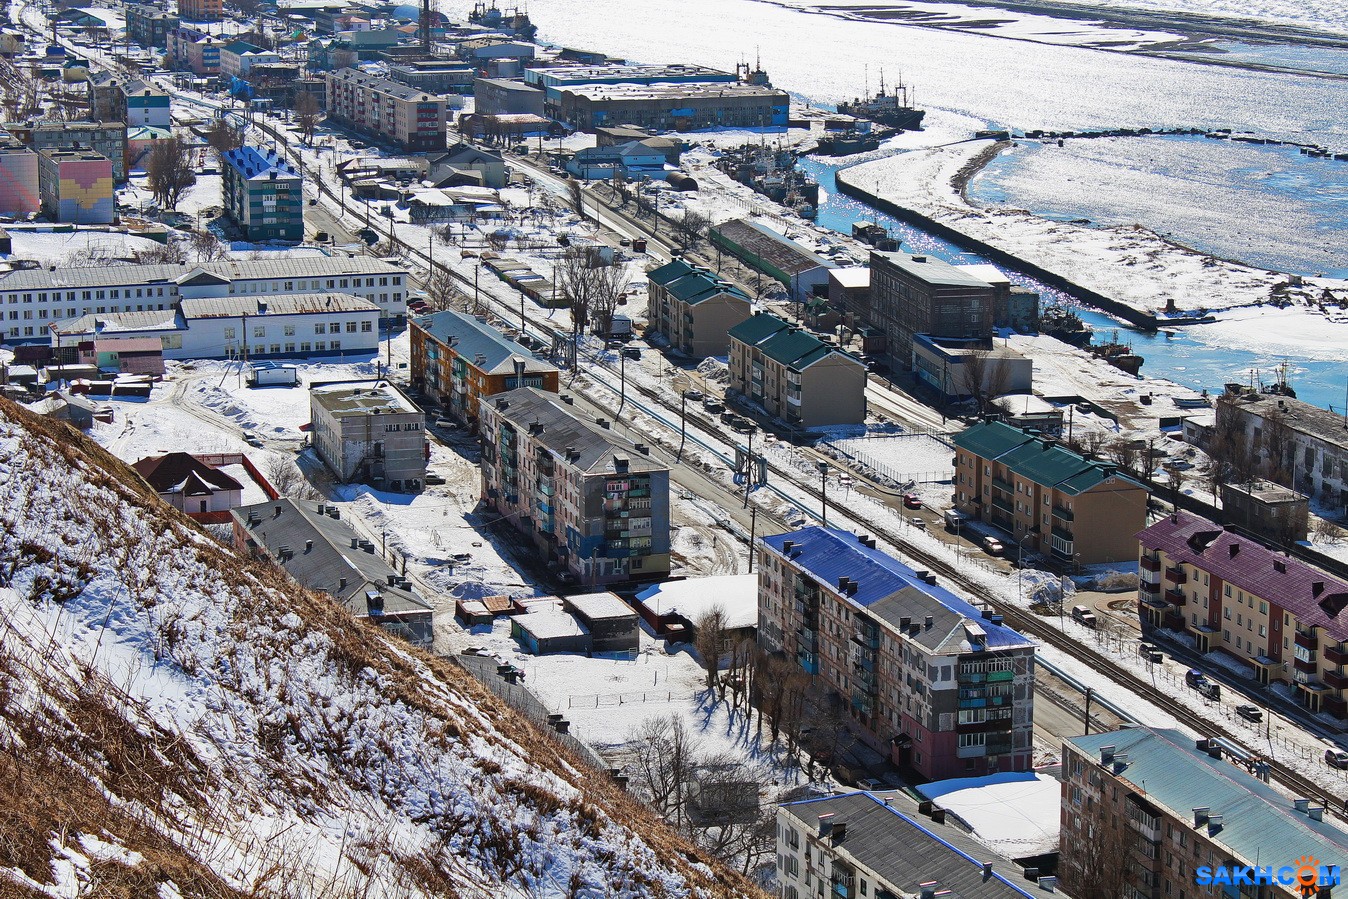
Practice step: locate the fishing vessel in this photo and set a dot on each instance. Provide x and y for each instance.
(894, 109)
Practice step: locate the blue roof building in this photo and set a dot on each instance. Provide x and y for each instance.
(263, 195)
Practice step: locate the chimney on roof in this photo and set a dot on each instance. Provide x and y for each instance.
(1317, 813)
(930, 621)
(987, 871)
(927, 890)
(1300, 805)
(1107, 754)
(826, 824)
(1120, 762)
(1280, 566)
(341, 584)
(1048, 884)
(276, 512)
(839, 831)
(843, 581)
(1317, 587)
(1214, 824)
(1201, 815)
(1234, 549)
(308, 546)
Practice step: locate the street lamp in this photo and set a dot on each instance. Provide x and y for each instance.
(683, 419)
(823, 491)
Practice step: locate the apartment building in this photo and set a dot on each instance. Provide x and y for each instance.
(194, 50)
(929, 680)
(1277, 614)
(434, 76)
(917, 294)
(140, 103)
(1051, 500)
(794, 375)
(594, 503)
(200, 10)
(693, 309)
(880, 846)
(308, 324)
(263, 195)
(1158, 813)
(149, 26)
(107, 138)
(76, 186)
(387, 110)
(19, 195)
(461, 360)
(31, 299)
(322, 552)
(1300, 445)
(370, 434)
(237, 59)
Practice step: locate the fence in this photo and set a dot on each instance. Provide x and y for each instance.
(526, 703)
(603, 700)
(886, 472)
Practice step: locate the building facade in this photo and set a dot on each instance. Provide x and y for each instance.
(672, 107)
(924, 295)
(595, 504)
(106, 138)
(238, 327)
(1052, 501)
(263, 195)
(957, 369)
(1279, 615)
(195, 51)
(191, 485)
(928, 679)
(794, 375)
(200, 10)
(434, 76)
(501, 96)
(76, 186)
(32, 299)
(370, 434)
(140, 104)
(19, 181)
(461, 361)
(804, 273)
(693, 309)
(1144, 809)
(237, 59)
(149, 26)
(412, 119)
(322, 552)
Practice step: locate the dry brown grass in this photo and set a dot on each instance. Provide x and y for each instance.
(51, 786)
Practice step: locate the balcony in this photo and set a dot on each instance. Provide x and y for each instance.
(1003, 504)
(1175, 596)
(1003, 484)
(1336, 679)
(1307, 639)
(1146, 589)
(1305, 666)
(1149, 563)
(1334, 655)
(1176, 576)
(867, 639)
(1064, 514)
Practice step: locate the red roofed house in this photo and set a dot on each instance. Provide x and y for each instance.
(1284, 617)
(190, 485)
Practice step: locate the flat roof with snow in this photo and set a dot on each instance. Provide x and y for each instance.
(1015, 814)
(736, 594)
(598, 606)
(550, 624)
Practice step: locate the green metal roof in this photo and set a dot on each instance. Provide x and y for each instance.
(1037, 460)
(670, 271)
(757, 328)
(1258, 824)
(788, 347)
(989, 439)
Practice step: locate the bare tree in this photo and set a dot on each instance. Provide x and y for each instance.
(1124, 454)
(710, 642)
(287, 478)
(222, 137)
(692, 225)
(1326, 531)
(1175, 481)
(307, 113)
(1279, 442)
(984, 377)
(572, 276)
(169, 171)
(577, 195)
(664, 758)
(206, 246)
(343, 59)
(608, 292)
(169, 253)
(1099, 865)
(442, 293)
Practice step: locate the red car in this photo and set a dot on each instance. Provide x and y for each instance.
(912, 501)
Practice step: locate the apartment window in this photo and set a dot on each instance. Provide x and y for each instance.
(305, 347)
(334, 327)
(366, 327)
(335, 345)
(320, 328)
(1226, 613)
(1226, 591)
(1263, 607)
(1226, 636)
(320, 347)
(289, 330)
(229, 333)
(290, 347)
(260, 331)
(351, 327)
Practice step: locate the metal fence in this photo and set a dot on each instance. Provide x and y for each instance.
(602, 700)
(849, 452)
(526, 703)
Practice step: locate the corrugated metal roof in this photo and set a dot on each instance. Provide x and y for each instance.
(274, 304)
(885, 834)
(1036, 459)
(777, 250)
(1253, 568)
(562, 431)
(931, 270)
(477, 338)
(828, 554)
(757, 328)
(1259, 824)
(291, 267)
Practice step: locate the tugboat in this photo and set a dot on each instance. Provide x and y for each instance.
(520, 23)
(894, 110)
(1064, 324)
(845, 143)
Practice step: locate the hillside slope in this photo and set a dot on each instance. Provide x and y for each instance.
(178, 721)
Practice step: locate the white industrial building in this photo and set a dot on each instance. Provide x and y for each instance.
(241, 327)
(32, 299)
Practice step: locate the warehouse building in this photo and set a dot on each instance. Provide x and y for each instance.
(803, 273)
(672, 107)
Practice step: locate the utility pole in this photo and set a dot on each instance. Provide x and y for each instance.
(748, 469)
(622, 383)
(753, 534)
(683, 418)
(823, 492)
(1089, 692)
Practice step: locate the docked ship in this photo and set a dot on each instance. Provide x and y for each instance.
(1064, 324)
(845, 143)
(892, 109)
(516, 22)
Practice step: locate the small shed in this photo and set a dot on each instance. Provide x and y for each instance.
(472, 612)
(611, 622)
(550, 630)
(273, 374)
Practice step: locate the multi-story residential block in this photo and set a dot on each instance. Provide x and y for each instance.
(1075, 510)
(929, 680)
(1147, 811)
(387, 110)
(596, 504)
(461, 360)
(200, 10)
(672, 107)
(104, 93)
(263, 195)
(693, 309)
(107, 138)
(140, 103)
(241, 327)
(194, 50)
(794, 375)
(1293, 442)
(925, 295)
(19, 182)
(1278, 614)
(434, 76)
(149, 26)
(322, 552)
(878, 845)
(76, 186)
(30, 299)
(237, 58)
(370, 434)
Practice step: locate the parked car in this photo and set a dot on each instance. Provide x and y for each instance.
(320, 237)
(1193, 677)
(954, 520)
(1336, 758)
(1083, 615)
(918, 523)
(714, 406)
(446, 423)
(1250, 713)
(693, 395)
(993, 547)
(433, 480)
(251, 439)
(1209, 690)
(631, 352)
(912, 501)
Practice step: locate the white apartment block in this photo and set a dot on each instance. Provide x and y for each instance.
(32, 299)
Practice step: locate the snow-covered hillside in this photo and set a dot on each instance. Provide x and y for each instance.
(177, 721)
